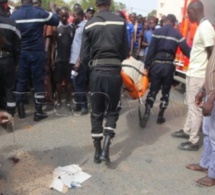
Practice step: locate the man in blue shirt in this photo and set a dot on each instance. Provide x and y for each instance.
(147, 36)
(138, 30)
(30, 21)
(79, 80)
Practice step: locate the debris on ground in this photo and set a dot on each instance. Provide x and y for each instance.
(68, 177)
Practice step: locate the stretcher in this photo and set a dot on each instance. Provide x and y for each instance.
(135, 82)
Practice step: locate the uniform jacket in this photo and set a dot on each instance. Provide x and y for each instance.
(166, 40)
(30, 21)
(104, 37)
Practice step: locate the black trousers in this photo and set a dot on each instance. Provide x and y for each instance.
(7, 80)
(161, 77)
(105, 87)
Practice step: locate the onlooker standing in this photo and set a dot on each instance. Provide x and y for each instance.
(31, 21)
(9, 52)
(64, 38)
(79, 80)
(201, 51)
(138, 28)
(90, 13)
(207, 162)
(105, 38)
(147, 34)
(71, 17)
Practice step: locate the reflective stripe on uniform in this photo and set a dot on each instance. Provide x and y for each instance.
(97, 135)
(10, 27)
(169, 38)
(109, 128)
(104, 24)
(39, 96)
(35, 19)
(11, 104)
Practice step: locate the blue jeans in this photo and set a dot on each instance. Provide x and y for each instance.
(208, 157)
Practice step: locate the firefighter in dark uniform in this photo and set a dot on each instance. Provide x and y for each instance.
(105, 39)
(159, 64)
(31, 20)
(8, 55)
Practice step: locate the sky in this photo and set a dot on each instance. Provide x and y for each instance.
(140, 6)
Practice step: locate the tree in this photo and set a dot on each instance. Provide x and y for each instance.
(87, 3)
(59, 3)
(119, 6)
(153, 13)
(14, 4)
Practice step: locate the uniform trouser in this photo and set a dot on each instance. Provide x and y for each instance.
(79, 83)
(7, 80)
(31, 63)
(208, 157)
(161, 77)
(105, 87)
(194, 114)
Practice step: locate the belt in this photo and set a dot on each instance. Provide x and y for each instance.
(163, 62)
(164, 56)
(4, 54)
(105, 61)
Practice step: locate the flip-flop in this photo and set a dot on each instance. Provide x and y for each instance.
(196, 167)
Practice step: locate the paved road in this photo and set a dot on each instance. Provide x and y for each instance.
(144, 161)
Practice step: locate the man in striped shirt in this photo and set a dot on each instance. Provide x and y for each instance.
(31, 20)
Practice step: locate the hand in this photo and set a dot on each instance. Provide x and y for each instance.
(77, 65)
(145, 72)
(207, 108)
(199, 97)
(5, 118)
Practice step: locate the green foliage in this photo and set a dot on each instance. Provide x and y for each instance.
(87, 3)
(84, 4)
(153, 13)
(59, 3)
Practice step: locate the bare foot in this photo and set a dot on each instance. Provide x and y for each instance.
(197, 167)
(206, 181)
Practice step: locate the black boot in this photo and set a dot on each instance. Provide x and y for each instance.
(21, 110)
(161, 119)
(105, 151)
(98, 149)
(145, 118)
(39, 114)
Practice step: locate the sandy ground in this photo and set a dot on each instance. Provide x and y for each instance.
(144, 161)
